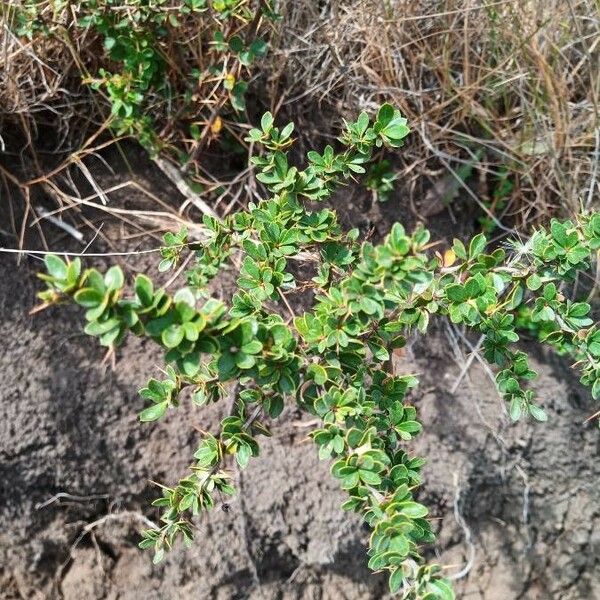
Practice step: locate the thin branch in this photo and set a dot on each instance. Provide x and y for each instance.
(72, 497)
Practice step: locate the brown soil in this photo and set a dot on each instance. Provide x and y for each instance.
(526, 494)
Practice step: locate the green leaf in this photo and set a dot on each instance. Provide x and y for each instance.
(456, 292)
(55, 266)
(186, 501)
(154, 412)
(252, 347)
(88, 297)
(243, 455)
(266, 122)
(537, 412)
(73, 272)
(515, 409)
(226, 365)
(185, 296)
(399, 544)
(195, 131)
(185, 311)
(286, 383)
(244, 361)
(190, 363)
(442, 589)
(96, 313)
(274, 406)
(396, 131)
(477, 245)
(385, 114)
(549, 292)
(534, 282)
(579, 309)
(101, 327)
(318, 374)
(369, 477)
(114, 279)
(158, 556)
(559, 232)
(287, 131)
(206, 454)
(144, 290)
(396, 579)
(459, 249)
(236, 44)
(190, 331)
(172, 336)
(473, 287)
(166, 264)
(362, 122)
(413, 509)
(510, 386)
(369, 306)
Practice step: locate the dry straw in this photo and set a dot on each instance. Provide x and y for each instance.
(502, 97)
(510, 86)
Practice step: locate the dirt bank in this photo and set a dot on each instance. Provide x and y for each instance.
(523, 499)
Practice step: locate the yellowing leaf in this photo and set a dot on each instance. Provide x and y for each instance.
(216, 126)
(449, 258)
(229, 81)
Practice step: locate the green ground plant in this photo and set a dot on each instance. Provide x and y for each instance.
(380, 180)
(170, 71)
(333, 360)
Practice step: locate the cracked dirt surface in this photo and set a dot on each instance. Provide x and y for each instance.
(527, 493)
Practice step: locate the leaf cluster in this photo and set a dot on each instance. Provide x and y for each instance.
(148, 69)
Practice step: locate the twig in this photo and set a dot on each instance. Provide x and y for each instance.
(121, 516)
(74, 498)
(89, 527)
(175, 177)
(596, 414)
(244, 526)
(91, 254)
(484, 365)
(525, 512)
(101, 195)
(505, 451)
(61, 224)
(467, 365)
(177, 273)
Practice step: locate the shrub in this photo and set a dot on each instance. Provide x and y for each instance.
(334, 359)
(171, 72)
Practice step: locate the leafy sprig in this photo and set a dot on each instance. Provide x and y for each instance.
(334, 359)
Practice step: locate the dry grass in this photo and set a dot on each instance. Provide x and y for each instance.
(52, 121)
(512, 86)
